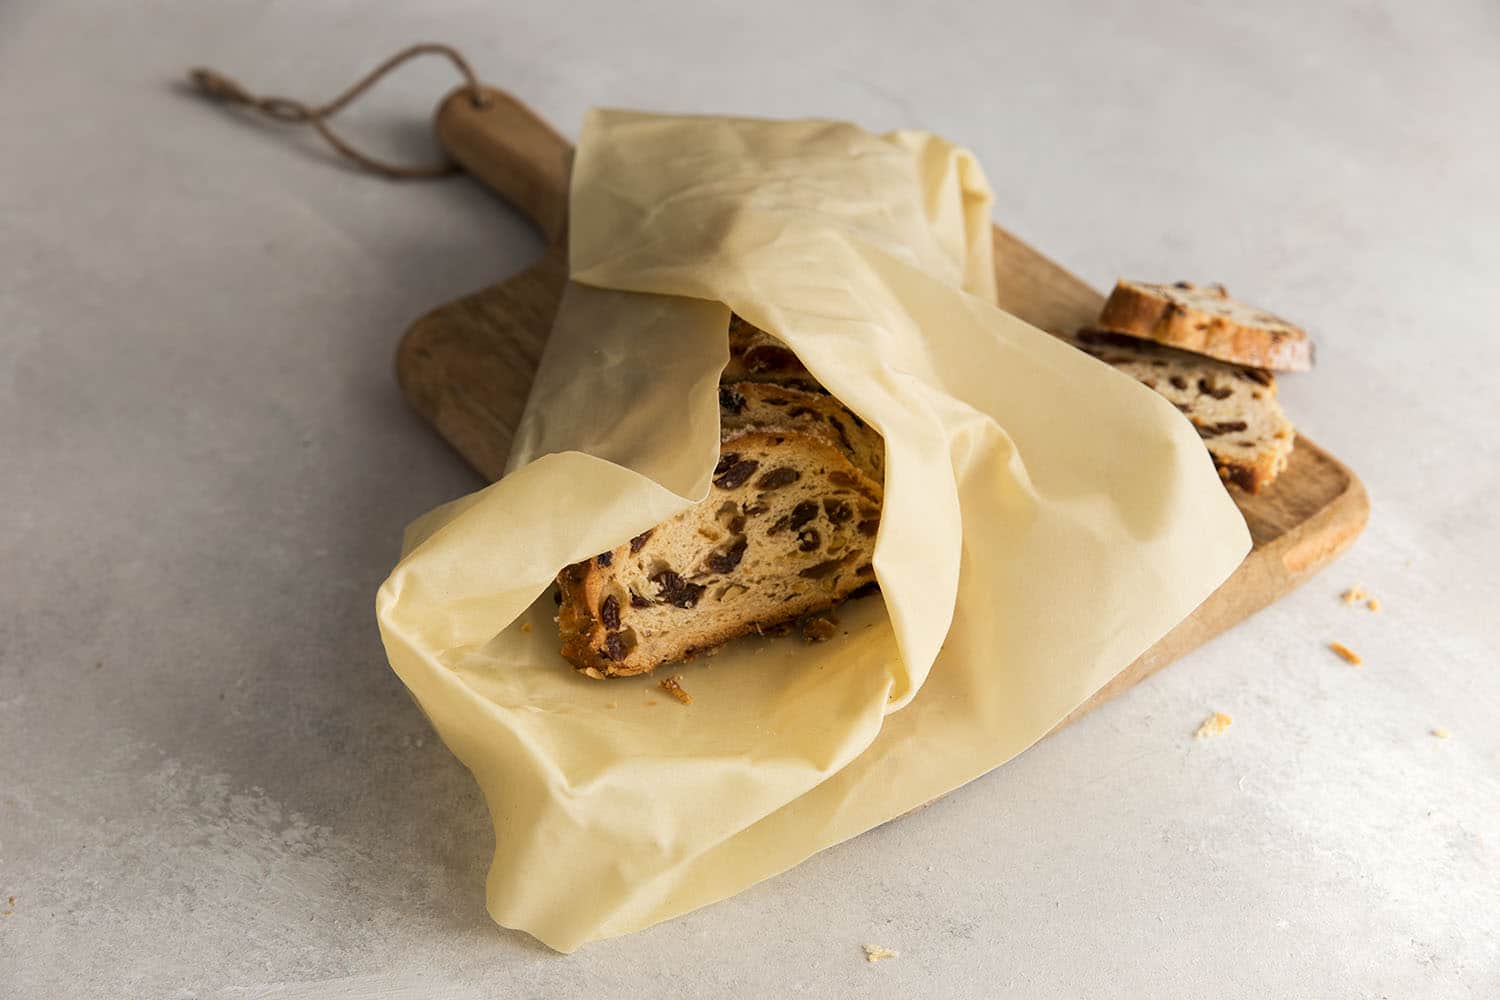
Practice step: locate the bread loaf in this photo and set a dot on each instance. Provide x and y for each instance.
(787, 530)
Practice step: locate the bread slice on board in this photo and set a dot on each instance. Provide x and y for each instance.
(1205, 320)
(1233, 407)
(787, 530)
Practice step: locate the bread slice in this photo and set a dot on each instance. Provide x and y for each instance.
(756, 356)
(1205, 320)
(1233, 407)
(788, 529)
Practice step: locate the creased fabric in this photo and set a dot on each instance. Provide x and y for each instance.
(1046, 520)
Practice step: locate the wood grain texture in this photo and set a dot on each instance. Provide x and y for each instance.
(467, 366)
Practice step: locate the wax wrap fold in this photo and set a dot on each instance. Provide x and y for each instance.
(1046, 519)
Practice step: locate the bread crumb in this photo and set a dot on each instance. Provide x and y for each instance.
(594, 673)
(673, 686)
(874, 953)
(1354, 595)
(612, 705)
(1348, 655)
(526, 626)
(1213, 726)
(1440, 732)
(820, 628)
(651, 701)
(1373, 604)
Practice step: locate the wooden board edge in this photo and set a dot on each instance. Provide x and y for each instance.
(428, 354)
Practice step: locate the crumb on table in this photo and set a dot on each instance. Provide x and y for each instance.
(1213, 726)
(1354, 595)
(874, 953)
(526, 626)
(1373, 604)
(673, 686)
(1440, 732)
(1345, 653)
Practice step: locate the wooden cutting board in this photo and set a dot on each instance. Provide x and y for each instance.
(467, 367)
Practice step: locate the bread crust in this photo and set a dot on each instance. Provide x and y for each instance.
(1207, 321)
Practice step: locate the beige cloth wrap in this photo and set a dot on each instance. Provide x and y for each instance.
(1046, 520)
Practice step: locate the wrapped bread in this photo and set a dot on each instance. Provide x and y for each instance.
(788, 529)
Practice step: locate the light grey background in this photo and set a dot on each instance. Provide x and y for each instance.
(211, 783)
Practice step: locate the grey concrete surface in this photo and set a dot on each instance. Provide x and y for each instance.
(212, 785)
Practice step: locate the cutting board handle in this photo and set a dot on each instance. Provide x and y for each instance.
(510, 148)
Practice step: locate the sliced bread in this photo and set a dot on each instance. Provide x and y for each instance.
(788, 529)
(1233, 407)
(1205, 320)
(757, 356)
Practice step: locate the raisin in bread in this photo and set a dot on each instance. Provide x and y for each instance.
(1205, 320)
(788, 529)
(1233, 407)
